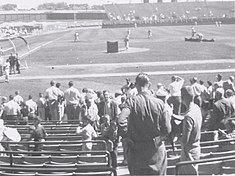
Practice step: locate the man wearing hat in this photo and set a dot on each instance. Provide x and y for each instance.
(148, 124)
(191, 134)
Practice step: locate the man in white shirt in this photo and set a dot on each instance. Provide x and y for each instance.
(17, 98)
(72, 97)
(32, 107)
(53, 93)
(175, 93)
(11, 110)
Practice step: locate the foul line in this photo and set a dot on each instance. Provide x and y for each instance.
(157, 73)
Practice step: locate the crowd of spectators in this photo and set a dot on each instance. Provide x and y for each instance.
(103, 116)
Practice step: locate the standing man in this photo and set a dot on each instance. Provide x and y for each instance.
(41, 103)
(108, 107)
(53, 93)
(148, 124)
(18, 98)
(32, 107)
(11, 110)
(72, 97)
(222, 111)
(190, 141)
(175, 94)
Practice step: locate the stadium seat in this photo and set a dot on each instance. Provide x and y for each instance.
(55, 174)
(228, 170)
(209, 168)
(36, 159)
(64, 159)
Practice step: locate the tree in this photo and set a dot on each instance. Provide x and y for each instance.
(9, 7)
(53, 6)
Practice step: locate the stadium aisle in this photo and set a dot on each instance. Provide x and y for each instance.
(121, 170)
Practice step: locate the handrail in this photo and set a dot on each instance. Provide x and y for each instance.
(210, 142)
(53, 142)
(219, 159)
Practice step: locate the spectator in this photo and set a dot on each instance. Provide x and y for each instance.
(126, 87)
(87, 132)
(228, 84)
(148, 124)
(108, 106)
(53, 93)
(109, 134)
(122, 128)
(18, 98)
(132, 91)
(72, 97)
(230, 130)
(4, 100)
(47, 109)
(222, 111)
(38, 133)
(90, 111)
(11, 111)
(32, 107)
(197, 91)
(219, 81)
(190, 141)
(175, 97)
(229, 94)
(24, 112)
(41, 104)
(61, 103)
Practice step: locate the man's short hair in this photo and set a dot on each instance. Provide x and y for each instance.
(70, 83)
(52, 83)
(11, 97)
(187, 92)
(58, 85)
(142, 79)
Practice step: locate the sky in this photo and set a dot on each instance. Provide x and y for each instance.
(27, 4)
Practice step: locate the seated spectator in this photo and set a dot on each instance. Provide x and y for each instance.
(37, 133)
(87, 132)
(229, 132)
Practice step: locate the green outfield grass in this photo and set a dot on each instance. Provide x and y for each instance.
(166, 44)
